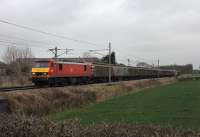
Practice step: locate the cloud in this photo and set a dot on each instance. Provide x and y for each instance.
(168, 30)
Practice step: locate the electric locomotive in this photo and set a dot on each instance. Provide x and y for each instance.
(57, 72)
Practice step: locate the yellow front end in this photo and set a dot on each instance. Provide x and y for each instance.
(40, 75)
(40, 70)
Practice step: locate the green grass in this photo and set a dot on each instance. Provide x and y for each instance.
(177, 104)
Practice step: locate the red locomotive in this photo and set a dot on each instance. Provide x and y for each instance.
(57, 72)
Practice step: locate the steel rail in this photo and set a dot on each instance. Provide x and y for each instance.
(8, 89)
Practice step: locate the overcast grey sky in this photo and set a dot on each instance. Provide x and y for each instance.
(146, 29)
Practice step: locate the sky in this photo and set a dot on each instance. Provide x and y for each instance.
(139, 30)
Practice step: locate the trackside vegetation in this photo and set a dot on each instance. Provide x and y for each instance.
(177, 104)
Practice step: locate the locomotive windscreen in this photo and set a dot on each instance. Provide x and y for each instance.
(41, 64)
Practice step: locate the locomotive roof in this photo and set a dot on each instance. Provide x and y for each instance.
(78, 60)
(63, 62)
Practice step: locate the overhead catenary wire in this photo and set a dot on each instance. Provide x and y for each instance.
(26, 40)
(11, 45)
(7, 45)
(48, 33)
(19, 44)
(30, 41)
(98, 51)
(57, 36)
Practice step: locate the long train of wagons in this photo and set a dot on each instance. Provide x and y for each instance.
(51, 72)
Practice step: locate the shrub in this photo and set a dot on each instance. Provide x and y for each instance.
(46, 101)
(22, 126)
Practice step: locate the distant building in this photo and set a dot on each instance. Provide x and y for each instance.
(182, 69)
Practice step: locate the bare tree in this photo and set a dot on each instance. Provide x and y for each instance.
(14, 54)
(18, 61)
(10, 55)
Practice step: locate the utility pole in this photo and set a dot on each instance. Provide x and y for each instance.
(158, 68)
(109, 62)
(110, 80)
(55, 52)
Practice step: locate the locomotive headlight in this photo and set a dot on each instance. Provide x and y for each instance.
(45, 73)
(33, 73)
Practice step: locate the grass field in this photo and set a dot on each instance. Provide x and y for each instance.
(177, 104)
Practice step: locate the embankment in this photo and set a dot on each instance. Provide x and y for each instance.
(44, 101)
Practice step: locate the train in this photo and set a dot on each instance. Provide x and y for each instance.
(54, 72)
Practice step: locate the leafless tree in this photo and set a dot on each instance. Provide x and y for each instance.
(14, 54)
(18, 61)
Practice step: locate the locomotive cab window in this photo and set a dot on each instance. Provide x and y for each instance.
(85, 68)
(41, 64)
(60, 66)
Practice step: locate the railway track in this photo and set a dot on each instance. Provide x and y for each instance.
(9, 89)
